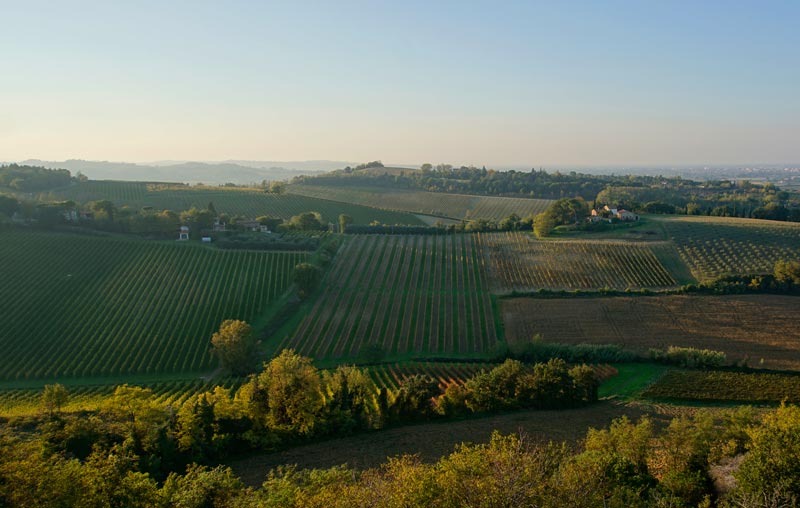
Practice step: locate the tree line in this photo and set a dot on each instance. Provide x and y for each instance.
(734, 458)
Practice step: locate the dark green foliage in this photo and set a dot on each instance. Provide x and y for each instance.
(689, 357)
(539, 351)
(306, 277)
(33, 178)
(726, 386)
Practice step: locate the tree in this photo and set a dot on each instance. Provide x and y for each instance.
(787, 272)
(105, 206)
(426, 167)
(272, 223)
(543, 225)
(235, 346)
(307, 221)
(306, 277)
(53, 398)
(277, 187)
(292, 389)
(344, 220)
(8, 205)
(773, 459)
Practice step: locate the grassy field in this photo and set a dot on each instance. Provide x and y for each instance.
(519, 262)
(755, 327)
(79, 306)
(454, 206)
(231, 200)
(408, 295)
(715, 246)
(710, 386)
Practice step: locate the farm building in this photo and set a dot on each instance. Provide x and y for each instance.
(625, 215)
(184, 233)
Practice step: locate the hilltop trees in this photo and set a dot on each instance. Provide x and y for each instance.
(562, 211)
(235, 346)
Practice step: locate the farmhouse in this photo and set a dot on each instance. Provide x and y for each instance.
(625, 215)
(184, 233)
(607, 213)
(253, 225)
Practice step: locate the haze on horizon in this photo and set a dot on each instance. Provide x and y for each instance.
(522, 83)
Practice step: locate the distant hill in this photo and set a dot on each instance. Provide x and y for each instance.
(215, 173)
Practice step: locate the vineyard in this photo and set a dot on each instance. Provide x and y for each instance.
(231, 200)
(91, 306)
(404, 295)
(518, 262)
(23, 402)
(454, 206)
(715, 386)
(392, 375)
(716, 246)
(761, 329)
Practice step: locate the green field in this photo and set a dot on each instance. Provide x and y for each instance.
(519, 262)
(454, 206)
(716, 246)
(231, 200)
(715, 386)
(93, 306)
(408, 295)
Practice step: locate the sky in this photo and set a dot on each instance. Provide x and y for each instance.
(487, 83)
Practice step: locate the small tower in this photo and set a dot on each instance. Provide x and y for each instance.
(184, 234)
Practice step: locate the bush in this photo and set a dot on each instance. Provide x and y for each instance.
(538, 351)
(689, 357)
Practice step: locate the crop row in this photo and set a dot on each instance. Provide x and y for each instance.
(455, 206)
(90, 397)
(715, 247)
(726, 386)
(401, 295)
(77, 306)
(517, 262)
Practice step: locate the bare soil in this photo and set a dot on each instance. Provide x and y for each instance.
(765, 329)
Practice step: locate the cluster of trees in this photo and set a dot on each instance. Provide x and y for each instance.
(473, 180)
(105, 215)
(785, 278)
(560, 212)
(735, 459)
(33, 178)
(289, 401)
(650, 194)
(716, 198)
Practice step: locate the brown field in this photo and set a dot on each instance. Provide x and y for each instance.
(753, 326)
(434, 440)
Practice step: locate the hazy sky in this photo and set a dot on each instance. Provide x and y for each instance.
(494, 83)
